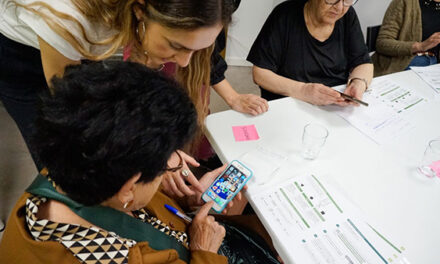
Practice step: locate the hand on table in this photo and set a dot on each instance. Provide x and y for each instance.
(205, 181)
(173, 181)
(249, 104)
(205, 233)
(319, 94)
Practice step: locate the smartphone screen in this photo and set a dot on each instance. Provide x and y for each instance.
(227, 185)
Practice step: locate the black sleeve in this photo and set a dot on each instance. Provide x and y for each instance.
(357, 51)
(218, 69)
(237, 4)
(266, 52)
(218, 64)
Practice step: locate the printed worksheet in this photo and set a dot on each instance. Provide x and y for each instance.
(317, 224)
(398, 98)
(430, 74)
(385, 119)
(378, 121)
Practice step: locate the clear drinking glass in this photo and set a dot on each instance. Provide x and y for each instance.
(430, 166)
(314, 137)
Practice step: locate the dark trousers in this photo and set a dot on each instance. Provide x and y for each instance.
(21, 80)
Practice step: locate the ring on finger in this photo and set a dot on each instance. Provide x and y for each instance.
(185, 172)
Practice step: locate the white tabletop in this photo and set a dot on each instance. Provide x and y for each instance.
(380, 179)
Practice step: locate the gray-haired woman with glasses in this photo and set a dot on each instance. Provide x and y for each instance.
(308, 46)
(344, 2)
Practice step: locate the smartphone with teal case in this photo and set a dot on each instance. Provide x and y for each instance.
(227, 185)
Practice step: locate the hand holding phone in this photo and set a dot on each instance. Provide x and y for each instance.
(228, 184)
(352, 99)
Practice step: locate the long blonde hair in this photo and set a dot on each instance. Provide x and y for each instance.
(119, 15)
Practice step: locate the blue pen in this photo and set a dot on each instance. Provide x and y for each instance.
(178, 213)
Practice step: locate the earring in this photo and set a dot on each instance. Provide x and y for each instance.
(141, 36)
(128, 204)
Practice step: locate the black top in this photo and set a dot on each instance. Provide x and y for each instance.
(430, 23)
(218, 64)
(286, 47)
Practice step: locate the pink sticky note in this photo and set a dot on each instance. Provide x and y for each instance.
(435, 166)
(245, 133)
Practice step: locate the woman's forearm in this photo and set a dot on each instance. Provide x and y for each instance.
(225, 90)
(395, 48)
(416, 47)
(363, 71)
(275, 83)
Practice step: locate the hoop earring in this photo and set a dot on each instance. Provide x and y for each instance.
(143, 36)
(144, 29)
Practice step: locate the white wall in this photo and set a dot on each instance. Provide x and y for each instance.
(247, 22)
(252, 14)
(371, 12)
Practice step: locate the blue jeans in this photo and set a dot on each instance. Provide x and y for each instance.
(421, 61)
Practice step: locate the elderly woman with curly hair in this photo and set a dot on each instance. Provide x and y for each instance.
(105, 136)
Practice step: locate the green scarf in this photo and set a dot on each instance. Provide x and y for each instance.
(111, 219)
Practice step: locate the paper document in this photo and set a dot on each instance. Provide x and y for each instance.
(430, 74)
(265, 162)
(396, 97)
(378, 121)
(385, 119)
(314, 223)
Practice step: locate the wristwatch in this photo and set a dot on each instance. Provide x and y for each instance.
(360, 79)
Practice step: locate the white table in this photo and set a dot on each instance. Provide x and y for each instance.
(380, 179)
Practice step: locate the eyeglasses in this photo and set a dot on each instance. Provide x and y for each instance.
(178, 167)
(344, 2)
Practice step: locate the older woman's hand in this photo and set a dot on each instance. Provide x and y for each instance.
(173, 181)
(205, 181)
(205, 233)
(356, 89)
(319, 94)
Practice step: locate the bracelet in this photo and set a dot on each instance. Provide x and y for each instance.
(426, 53)
(360, 79)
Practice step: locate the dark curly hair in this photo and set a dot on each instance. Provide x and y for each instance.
(107, 121)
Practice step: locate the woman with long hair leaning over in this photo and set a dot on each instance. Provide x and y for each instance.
(39, 38)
